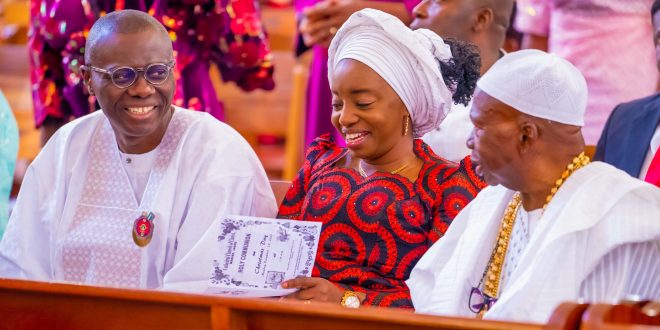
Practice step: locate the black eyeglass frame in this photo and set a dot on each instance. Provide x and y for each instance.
(137, 71)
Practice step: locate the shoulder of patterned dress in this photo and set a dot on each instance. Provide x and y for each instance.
(468, 167)
(440, 175)
(424, 151)
(463, 171)
(446, 168)
(323, 151)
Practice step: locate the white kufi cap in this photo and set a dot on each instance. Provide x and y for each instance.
(539, 84)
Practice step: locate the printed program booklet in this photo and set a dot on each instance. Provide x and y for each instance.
(254, 255)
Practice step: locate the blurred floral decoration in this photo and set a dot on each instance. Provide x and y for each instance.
(227, 33)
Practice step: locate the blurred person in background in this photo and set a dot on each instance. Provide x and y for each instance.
(8, 153)
(609, 41)
(227, 33)
(483, 23)
(631, 138)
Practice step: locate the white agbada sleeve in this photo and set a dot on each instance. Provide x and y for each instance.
(629, 271)
(226, 184)
(26, 248)
(196, 250)
(18, 258)
(230, 181)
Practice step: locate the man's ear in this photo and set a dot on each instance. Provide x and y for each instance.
(87, 76)
(528, 135)
(483, 20)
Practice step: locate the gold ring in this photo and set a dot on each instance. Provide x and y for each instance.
(332, 30)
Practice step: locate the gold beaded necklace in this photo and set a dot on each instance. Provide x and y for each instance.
(578, 162)
(493, 272)
(404, 166)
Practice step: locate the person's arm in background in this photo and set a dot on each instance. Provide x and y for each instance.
(320, 22)
(533, 21)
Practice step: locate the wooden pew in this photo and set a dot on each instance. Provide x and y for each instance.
(629, 315)
(39, 305)
(567, 316)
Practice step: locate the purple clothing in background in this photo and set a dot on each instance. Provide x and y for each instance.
(609, 41)
(318, 107)
(226, 32)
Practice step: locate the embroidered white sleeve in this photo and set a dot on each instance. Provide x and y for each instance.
(628, 272)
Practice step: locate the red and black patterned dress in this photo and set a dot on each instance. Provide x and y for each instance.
(375, 229)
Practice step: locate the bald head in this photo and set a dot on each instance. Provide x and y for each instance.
(482, 22)
(492, 19)
(122, 22)
(502, 10)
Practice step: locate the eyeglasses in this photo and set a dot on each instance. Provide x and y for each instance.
(125, 76)
(480, 301)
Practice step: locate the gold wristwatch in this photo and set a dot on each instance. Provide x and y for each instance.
(350, 300)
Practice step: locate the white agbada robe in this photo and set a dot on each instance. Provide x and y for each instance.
(75, 212)
(597, 210)
(449, 140)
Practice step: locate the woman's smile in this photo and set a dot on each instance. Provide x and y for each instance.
(353, 140)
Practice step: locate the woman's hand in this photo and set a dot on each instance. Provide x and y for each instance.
(313, 288)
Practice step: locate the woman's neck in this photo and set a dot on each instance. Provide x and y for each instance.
(394, 158)
(401, 160)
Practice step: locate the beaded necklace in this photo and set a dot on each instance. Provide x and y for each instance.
(492, 273)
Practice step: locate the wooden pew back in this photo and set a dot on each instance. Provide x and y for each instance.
(629, 315)
(27, 304)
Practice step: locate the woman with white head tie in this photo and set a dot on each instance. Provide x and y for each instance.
(386, 197)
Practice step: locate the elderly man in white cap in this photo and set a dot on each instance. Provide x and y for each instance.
(552, 227)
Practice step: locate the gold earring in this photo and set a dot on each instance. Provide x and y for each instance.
(405, 125)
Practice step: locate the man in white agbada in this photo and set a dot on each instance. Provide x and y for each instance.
(552, 227)
(141, 172)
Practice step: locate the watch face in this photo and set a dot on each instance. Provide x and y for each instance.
(352, 301)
